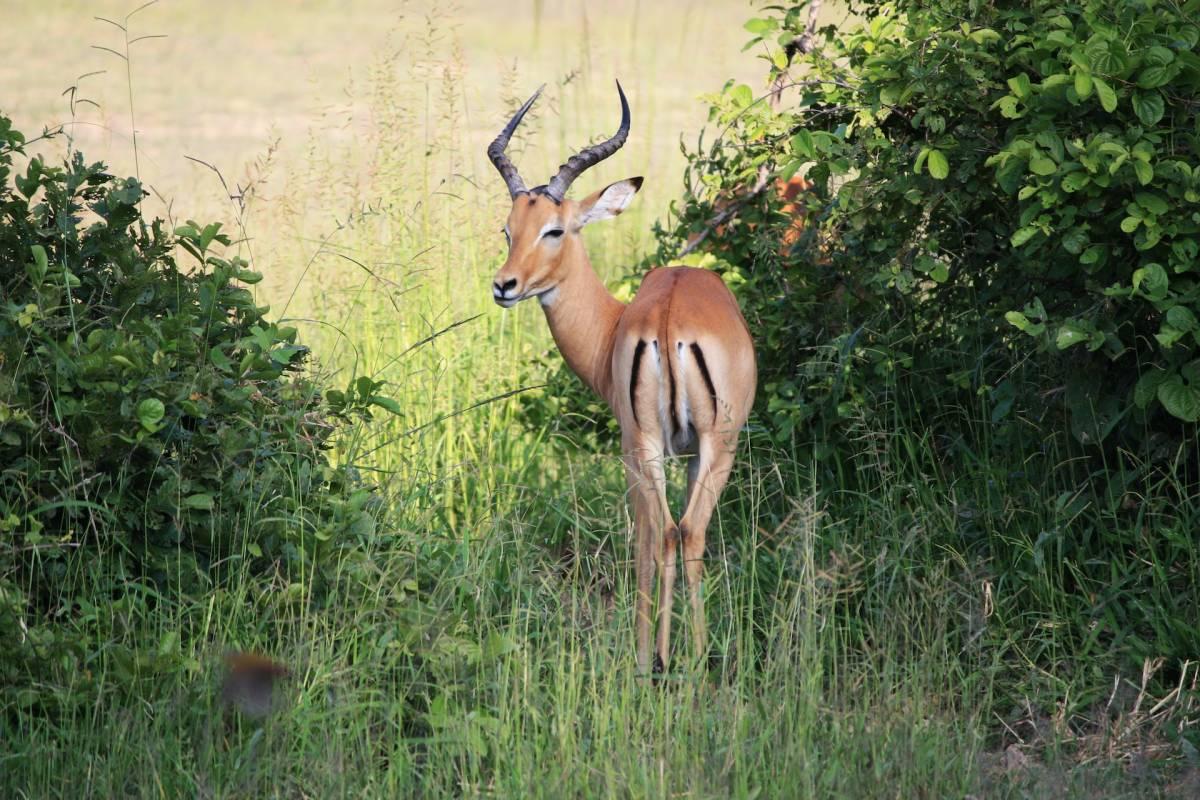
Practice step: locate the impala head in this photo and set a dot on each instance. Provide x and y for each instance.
(543, 226)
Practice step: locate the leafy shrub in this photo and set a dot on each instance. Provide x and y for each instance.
(998, 276)
(155, 426)
(994, 183)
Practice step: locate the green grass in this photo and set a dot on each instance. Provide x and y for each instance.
(479, 642)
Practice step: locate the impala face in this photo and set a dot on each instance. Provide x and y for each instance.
(538, 231)
(543, 239)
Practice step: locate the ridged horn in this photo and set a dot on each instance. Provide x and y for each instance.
(589, 156)
(495, 150)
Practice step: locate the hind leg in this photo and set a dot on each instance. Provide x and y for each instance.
(707, 476)
(655, 546)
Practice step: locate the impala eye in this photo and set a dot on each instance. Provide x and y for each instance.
(554, 234)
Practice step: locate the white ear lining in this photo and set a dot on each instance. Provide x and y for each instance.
(611, 202)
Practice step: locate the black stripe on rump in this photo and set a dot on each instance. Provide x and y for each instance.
(671, 380)
(633, 379)
(712, 390)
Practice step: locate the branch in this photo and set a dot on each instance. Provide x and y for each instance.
(802, 44)
(730, 211)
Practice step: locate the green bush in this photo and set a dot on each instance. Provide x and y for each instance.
(995, 183)
(996, 285)
(156, 430)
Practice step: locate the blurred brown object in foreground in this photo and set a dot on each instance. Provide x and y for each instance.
(250, 683)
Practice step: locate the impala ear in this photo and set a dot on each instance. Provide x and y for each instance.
(608, 202)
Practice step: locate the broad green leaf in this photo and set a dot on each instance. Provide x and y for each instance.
(1151, 280)
(1041, 165)
(1181, 317)
(386, 403)
(220, 360)
(1018, 320)
(1020, 86)
(1152, 203)
(939, 167)
(1181, 400)
(1105, 94)
(1074, 240)
(1008, 107)
(1092, 254)
(802, 144)
(1071, 333)
(1147, 386)
(202, 502)
(759, 26)
(1148, 106)
(1074, 181)
(1023, 235)
(1144, 172)
(1156, 75)
(150, 412)
(1083, 85)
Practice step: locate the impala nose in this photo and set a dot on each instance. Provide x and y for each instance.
(500, 291)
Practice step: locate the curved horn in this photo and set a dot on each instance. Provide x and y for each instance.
(495, 150)
(589, 156)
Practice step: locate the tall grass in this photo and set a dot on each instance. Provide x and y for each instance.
(479, 641)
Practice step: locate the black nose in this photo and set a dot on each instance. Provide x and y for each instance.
(508, 284)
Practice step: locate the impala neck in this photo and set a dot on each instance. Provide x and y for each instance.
(583, 319)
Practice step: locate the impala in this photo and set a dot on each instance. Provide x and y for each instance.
(676, 366)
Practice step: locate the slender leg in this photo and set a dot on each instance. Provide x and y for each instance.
(705, 482)
(652, 519)
(666, 594)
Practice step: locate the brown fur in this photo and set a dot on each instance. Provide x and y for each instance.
(676, 312)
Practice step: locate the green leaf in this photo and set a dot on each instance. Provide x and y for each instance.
(1020, 86)
(1023, 235)
(1018, 320)
(1041, 165)
(939, 167)
(1181, 400)
(1152, 281)
(1144, 172)
(1181, 317)
(802, 144)
(760, 27)
(1147, 386)
(1106, 95)
(1152, 203)
(150, 412)
(200, 502)
(741, 96)
(1083, 85)
(1074, 181)
(1008, 107)
(220, 360)
(1074, 240)
(386, 403)
(1156, 75)
(1148, 106)
(1071, 333)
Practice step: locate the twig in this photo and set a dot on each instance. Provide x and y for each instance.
(730, 211)
(803, 45)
